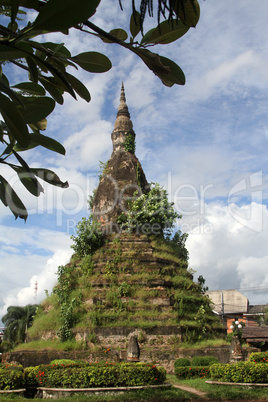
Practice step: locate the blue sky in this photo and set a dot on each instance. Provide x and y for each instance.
(205, 142)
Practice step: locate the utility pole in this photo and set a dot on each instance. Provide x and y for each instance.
(35, 291)
(222, 305)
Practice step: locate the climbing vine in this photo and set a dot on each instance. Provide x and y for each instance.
(129, 143)
(66, 284)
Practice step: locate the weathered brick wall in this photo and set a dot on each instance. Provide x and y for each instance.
(164, 358)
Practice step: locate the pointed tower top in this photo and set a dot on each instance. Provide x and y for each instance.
(123, 122)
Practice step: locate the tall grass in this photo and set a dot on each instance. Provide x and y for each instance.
(50, 345)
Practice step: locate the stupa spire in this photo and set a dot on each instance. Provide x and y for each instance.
(123, 125)
(123, 121)
(122, 108)
(123, 174)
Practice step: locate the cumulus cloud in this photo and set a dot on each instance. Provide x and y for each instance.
(229, 254)
(29, 256)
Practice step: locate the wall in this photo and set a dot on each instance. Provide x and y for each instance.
(164, 358)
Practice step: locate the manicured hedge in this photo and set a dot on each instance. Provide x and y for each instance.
(197, 367)
(259, 357)
(182, 362)
(204, 360)
(192, 372)
(94, 375)
(247, 372)
(11, 376)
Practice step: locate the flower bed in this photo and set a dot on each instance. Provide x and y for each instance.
(259, 357)
(192, 372)
(11, 377)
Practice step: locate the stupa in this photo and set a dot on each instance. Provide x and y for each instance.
(134, 285)
(122, 175)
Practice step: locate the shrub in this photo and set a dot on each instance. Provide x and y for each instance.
(192, 372)
(245, 372)
(94, 375)
(11, 376)
(259, 357)
(5, 346)
(182, 362)
(149, 213)
(204, 360)
(89, 237)
(65, 362)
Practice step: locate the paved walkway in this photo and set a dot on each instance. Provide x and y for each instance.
(189, 389)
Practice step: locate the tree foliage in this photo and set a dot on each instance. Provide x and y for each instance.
(88, 237)
(17, 320)
(26, 105)
(150, 213)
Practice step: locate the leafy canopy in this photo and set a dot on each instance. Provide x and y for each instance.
(150, 213)
(26, 105)
(17, 320)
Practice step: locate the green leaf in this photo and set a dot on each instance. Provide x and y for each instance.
(7, 90)
(37, 108)
(29, 181)
(93, 62)
(1, 133)
(30, 88)
(33, 71)
(8, 53)
(79, 87)
(57, 48)
(46, 142)
(168, 71)
(22, 3)
(118, 33)
(54, 92)
(175, 76)
(147, 36)
(4, 79)
(30, 4)
(168, 31)
(14, 120)
(50, 177)
(10, 199)
(58, 15)
(188, 12)
(135, 26)
(59, 75)
(40, 125)
(14, 51)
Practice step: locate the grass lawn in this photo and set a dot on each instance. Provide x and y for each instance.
(142, 396)
(223, 392)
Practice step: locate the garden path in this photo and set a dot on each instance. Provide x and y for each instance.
(190, 389)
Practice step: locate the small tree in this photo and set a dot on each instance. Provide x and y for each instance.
(150, 213)
(88, 237)
(17, 320)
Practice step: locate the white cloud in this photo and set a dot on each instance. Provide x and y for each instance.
(228, 254)
(86, 147)
(28, 256)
